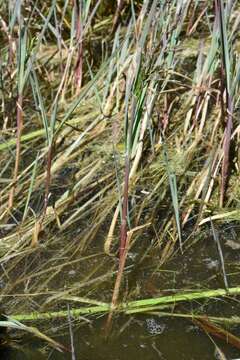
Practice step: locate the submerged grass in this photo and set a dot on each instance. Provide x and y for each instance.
(132, 307)
(114, 117)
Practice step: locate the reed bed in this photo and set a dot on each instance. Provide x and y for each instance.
(119, 133)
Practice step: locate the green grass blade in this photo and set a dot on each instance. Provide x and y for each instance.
(40, 105)
(174, 194)
(33, 177)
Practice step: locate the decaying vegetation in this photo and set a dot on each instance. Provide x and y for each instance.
(119, 133)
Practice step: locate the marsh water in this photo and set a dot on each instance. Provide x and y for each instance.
(152, 336)
(146, 338)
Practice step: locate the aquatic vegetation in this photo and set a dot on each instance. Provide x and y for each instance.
(119, 146)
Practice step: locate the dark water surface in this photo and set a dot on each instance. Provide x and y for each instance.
(152, 336)
(146, 338)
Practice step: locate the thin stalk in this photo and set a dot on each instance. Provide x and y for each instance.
(48, 176)
(18, 148)
(128, 146)
(71, 333)
(123, 230)
(117, 285)
(117, 15)
(121, 267)
(225, 87)
(79, 28)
